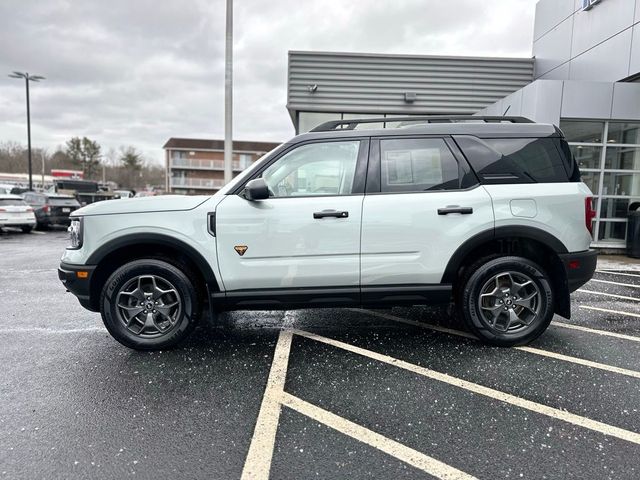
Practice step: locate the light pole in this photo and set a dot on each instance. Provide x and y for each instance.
(228, 96)
(28, 78)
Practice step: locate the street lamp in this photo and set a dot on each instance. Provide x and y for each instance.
(28, 78)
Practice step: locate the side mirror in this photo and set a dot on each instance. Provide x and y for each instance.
(256, 189)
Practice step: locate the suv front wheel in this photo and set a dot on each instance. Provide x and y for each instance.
(506, 301)
(149, 304)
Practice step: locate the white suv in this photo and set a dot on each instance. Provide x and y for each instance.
(487, 212)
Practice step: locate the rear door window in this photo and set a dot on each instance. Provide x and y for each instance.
(417, 165)
(515, 160)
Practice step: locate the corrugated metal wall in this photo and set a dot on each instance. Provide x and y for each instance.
(368, 83)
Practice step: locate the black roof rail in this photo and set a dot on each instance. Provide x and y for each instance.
(352, 123)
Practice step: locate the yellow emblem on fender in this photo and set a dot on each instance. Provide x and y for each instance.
(240, 249)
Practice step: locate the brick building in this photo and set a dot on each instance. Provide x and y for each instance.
(196, 166)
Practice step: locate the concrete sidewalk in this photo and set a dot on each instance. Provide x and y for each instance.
(618, 263)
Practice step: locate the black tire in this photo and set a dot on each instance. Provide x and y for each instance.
(489, 277)
(26, 229)
(179, 321)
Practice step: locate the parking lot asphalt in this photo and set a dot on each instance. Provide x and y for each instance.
(402, 393)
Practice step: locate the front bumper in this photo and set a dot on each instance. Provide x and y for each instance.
(78, 285)
(580, 267)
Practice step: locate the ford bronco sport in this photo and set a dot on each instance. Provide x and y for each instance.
(486, 212)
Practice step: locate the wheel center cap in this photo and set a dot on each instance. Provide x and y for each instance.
(509, 302)
(148, 305)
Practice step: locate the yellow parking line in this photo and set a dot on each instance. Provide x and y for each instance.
(551, 412)
(406, 454)
(609, 295)
(610, 311)
(604, 333)
(536, 351)
(258, 462)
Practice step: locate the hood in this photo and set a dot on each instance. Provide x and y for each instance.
(164, 203)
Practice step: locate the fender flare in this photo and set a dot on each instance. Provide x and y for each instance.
(477, 240)
(155, 239)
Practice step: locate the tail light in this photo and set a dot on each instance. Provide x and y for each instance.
(589, 214)
(46, 208)
(3, 209)
(29, 209)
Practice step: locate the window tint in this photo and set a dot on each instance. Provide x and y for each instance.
(518, 160)
(63, 201)
(314, 169)
(417, 165)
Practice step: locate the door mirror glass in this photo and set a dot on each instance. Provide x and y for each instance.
(256, 189)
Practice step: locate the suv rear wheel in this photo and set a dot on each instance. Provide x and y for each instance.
(506, 301)
(149, 304)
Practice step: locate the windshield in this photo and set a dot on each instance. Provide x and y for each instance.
(11, 201)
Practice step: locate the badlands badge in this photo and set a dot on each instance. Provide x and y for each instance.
(240, 249)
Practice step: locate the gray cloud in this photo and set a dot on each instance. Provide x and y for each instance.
(138, 72)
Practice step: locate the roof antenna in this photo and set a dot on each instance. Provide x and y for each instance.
(505, 112)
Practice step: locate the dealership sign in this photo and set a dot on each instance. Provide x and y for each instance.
(588, 4)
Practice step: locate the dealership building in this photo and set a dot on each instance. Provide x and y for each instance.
(584, 76)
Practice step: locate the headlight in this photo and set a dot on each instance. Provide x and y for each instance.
(75, 233)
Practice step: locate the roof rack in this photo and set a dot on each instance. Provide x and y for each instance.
(352, 123)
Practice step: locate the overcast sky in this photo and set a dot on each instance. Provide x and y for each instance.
(136, 72)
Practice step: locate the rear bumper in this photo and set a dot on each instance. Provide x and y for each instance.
(54, 220)
(580, 267)
(17, 222)
(80, 287)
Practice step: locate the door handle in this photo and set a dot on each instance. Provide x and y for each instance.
(330, 213)
(455, 209)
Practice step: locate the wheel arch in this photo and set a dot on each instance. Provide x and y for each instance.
(530, 242)
(121, 250)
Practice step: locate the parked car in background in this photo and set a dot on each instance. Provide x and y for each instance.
(5, 189)
(145, 193)
(51, 208)
(15, 212)
(124, 193)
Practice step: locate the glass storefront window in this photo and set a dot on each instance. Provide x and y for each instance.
(621, 184)
(619, 172)
(592, 180)
(586, 156)
(624, 132)
(612, 231)
(582, 131)
(622, 158)
(616, 207)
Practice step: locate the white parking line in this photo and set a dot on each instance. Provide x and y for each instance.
(581, 361)
(536, 351)
(258, 462)
(408, 455)
(604, 333)
(610, 272)
(631, 285)
(52, 330)
(555, 413)
(622, 297)
(610, 311)
(395, 318)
